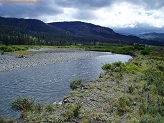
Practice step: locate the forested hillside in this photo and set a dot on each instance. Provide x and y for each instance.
(153, 36)
(14, 31)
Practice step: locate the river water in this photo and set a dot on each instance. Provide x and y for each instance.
(48, 84)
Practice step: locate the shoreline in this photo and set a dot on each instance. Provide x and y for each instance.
(42, 57)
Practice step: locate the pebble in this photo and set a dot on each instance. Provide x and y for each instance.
(11, 62)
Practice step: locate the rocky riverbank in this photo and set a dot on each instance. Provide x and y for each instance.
(40, 57)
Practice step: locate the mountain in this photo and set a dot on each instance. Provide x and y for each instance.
(153, 36)
(84, 29)
(96, 32)
(36, 32)
(138, 30)
(29, 24)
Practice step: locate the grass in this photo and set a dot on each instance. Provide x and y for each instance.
(127, 93)
(12, 48)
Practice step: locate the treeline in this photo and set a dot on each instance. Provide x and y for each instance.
(15, 36)
(18, 36)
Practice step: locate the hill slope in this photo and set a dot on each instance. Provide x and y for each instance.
(31, 32)
(153, 36)
(96, 32)
(29, 24)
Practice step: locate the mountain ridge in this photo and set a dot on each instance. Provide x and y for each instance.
(65, 33)
(153, 36)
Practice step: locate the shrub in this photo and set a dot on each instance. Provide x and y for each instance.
(2, 53)
(22, 104)
(72, 111)
(84, 121)
(151, 119)
(123, 104)
(138, 63)
(145, 52)
(132, 68)
(160, 67)
(117, 64)
(114, 67)
(2, 120)
(131, 88)
(49, 108)
(75, 84)
(37, 108)
(106, 67)
(155, 77)
(12, 48)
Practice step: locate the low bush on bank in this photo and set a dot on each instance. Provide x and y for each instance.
(72, 111)
(114, 67)
(76, 84)
(121, 67)
(22, 104)
(25, 105)
(12, 48)
(2, 120)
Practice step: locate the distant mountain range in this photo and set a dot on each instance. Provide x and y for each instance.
(36, 32)
(153, 36)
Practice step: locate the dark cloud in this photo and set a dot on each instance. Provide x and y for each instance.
(54, 7)
(147, 4)
(84, 3)
(29, 10)
(92, 4)
(84, 10)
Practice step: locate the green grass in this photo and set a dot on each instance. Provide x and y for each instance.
(12, 48)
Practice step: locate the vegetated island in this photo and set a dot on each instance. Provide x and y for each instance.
(126, 93)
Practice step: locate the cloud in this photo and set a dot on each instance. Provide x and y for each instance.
(84, 3)
(29, 10)
(128, 15)
(109, 13)
(148, 4)
(92, 4)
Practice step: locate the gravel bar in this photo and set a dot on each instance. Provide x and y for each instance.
(44, 56)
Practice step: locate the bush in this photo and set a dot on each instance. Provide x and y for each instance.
(117, 64)
(75, 84)
(84, 121)
(106, 67)
(132, 68)
(49, 108)
(145, 52)
(12, 48)
(123, 104)
(114, 67)
(72, 111)
(131, 88)
(2, 53)
(155, 77)
(151, 119)
(22, 104)
(2, 120)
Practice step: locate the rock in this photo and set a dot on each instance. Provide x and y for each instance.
(101, 75)
(134, 103)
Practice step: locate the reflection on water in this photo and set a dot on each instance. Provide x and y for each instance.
(50, 83)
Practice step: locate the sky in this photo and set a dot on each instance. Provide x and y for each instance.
(108, 13)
